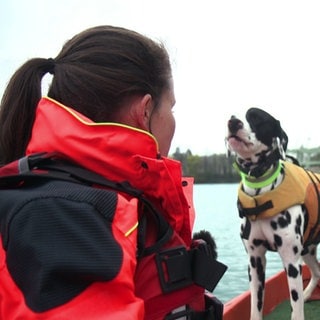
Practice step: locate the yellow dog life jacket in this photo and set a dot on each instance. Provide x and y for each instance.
(299, 187)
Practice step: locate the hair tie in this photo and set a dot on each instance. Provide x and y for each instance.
(50, 65)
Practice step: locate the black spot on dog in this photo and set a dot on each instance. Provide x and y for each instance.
(245, 229)
(260, 271)
(283, 223)
(249, 274)
(299, 221)
(297, 230)
(288, 216)
(260, 298)
(268, 246)
(298, 225)
(253, 262)
(274, 225)
(277, 240)
(295, 249)
(292, 271)
(294, 295)
(284, 220)
(257, 242)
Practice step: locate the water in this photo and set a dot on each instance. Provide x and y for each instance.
(217, 212)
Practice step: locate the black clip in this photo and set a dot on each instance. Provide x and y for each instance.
(207, 271)
(174, 269)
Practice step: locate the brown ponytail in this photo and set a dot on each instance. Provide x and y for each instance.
(18, 107)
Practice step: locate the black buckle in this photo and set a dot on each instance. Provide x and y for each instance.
(174, 269)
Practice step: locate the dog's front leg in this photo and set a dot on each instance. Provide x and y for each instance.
(256, 272)
(294, 276)
(289, 245)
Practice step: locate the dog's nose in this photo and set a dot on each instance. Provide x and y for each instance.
(234, 124)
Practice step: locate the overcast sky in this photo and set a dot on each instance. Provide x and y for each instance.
(227, 56)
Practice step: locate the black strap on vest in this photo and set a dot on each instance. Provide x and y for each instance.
(255, 211)
(44, 166)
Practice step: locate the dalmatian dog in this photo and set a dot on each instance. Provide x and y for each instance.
(275, 207)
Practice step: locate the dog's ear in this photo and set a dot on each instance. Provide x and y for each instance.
(266, 127)
(228, 151)
(284, 139)
(280, 147)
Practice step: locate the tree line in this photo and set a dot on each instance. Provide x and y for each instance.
(218, 168)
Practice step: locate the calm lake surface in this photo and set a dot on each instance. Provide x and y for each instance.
(217, 212)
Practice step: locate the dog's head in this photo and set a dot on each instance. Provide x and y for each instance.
(255, 139)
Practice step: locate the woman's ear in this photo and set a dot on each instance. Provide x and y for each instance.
(137, 113)
(145, 109)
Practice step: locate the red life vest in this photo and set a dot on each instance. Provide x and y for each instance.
(129, 290)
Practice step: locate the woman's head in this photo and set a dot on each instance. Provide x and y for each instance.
(99, 72)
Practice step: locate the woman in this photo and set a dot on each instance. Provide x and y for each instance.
(72, 254)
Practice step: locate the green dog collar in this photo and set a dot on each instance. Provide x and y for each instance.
(262, 181)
